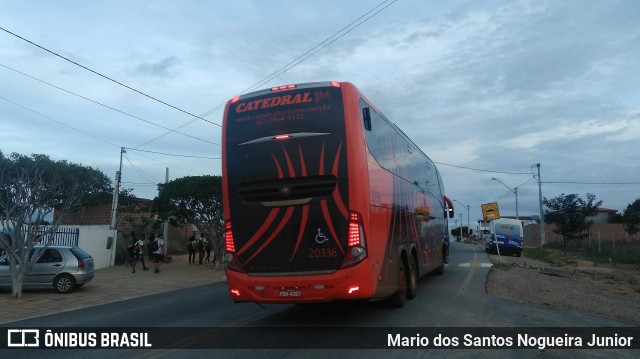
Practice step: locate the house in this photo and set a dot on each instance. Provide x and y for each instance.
(602, 217)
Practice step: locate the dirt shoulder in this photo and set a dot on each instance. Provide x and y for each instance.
(604, 291)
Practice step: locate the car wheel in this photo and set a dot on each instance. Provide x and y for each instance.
(400, 297)
(412, 286)
(64, 283)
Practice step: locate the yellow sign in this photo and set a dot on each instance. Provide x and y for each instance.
(490, 211)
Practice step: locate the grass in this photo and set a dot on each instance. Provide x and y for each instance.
(620, 252)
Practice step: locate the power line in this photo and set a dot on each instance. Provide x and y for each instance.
(167, 133)
(59, 122)
(293, 63)
(107, 77)
(109, 107)
(482, 170)
(146, 176)
(301, 58)
(325, 43)
(176, 155)
(592, 183)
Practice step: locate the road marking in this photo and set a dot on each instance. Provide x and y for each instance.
(472, 265)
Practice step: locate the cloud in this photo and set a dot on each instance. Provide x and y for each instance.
(161, 69)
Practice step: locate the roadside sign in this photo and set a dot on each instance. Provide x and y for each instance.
(490, 211)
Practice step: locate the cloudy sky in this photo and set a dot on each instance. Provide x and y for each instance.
(486, 89)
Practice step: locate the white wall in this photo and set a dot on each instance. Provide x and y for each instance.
(95, 241)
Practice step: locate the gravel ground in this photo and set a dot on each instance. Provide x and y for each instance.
(604, 291)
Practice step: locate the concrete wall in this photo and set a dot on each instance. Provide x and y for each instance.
(95, 241)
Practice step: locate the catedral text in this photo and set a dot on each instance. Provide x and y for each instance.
(273, 102)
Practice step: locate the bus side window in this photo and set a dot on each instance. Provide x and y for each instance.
(366, 116)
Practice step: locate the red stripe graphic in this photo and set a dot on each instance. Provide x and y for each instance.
(273, 235)
(327, 218)
(267, 222)
(336, 193)
(277, 165)
(303, 225)
(302, 162)
(292, 173)
(321, 169)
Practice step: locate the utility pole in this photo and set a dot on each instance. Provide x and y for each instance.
(114, 208)
(116, 192)
(468, 217)
(166, 223)
(540, 203)
(516, 192)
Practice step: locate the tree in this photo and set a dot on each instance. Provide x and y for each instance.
(461, 231)
(615, 218)
(631, 218)
(571, 215)
(196, 200)
(30, 189)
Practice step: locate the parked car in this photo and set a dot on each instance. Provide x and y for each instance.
(63, 267)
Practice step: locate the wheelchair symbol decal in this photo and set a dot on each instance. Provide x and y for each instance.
(320, 237)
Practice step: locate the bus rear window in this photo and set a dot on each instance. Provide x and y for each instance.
(284, 112)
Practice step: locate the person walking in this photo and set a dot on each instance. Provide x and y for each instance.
(191, 248)
(152, 238)
(158, 253)
(200, 249)
(131, 251)
(207, 248)
(138, 254)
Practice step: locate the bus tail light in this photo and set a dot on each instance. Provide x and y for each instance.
(285, 87)
(282, 137)
(230, 258)
(356, 244)
(228, 238)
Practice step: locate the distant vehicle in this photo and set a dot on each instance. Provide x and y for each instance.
(509, 235)
(64, 268)
(325, 199)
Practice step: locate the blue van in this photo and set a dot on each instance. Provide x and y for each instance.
(508, 233)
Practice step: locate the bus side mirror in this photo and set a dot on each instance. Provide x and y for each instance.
(366, 116)
(448, 207)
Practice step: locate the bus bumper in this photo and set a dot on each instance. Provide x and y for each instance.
(345, 284)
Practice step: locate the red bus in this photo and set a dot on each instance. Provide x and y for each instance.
(325, 199)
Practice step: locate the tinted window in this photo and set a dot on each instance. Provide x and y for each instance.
(79, 253)
(304, 110)
(50, 256)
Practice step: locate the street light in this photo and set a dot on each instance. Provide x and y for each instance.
(468, 219)
(514, 190)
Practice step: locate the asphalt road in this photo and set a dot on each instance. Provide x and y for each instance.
(456, 299)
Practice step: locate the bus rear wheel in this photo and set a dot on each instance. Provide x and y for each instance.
(440, 270)
(412, 279)
(400, 297)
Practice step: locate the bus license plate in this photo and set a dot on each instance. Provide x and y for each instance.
(291, 293)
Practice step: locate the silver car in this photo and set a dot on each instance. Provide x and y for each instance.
(63, 267)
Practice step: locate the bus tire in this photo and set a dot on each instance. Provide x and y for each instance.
(440, 270)
(399, 298)
(412, 279)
